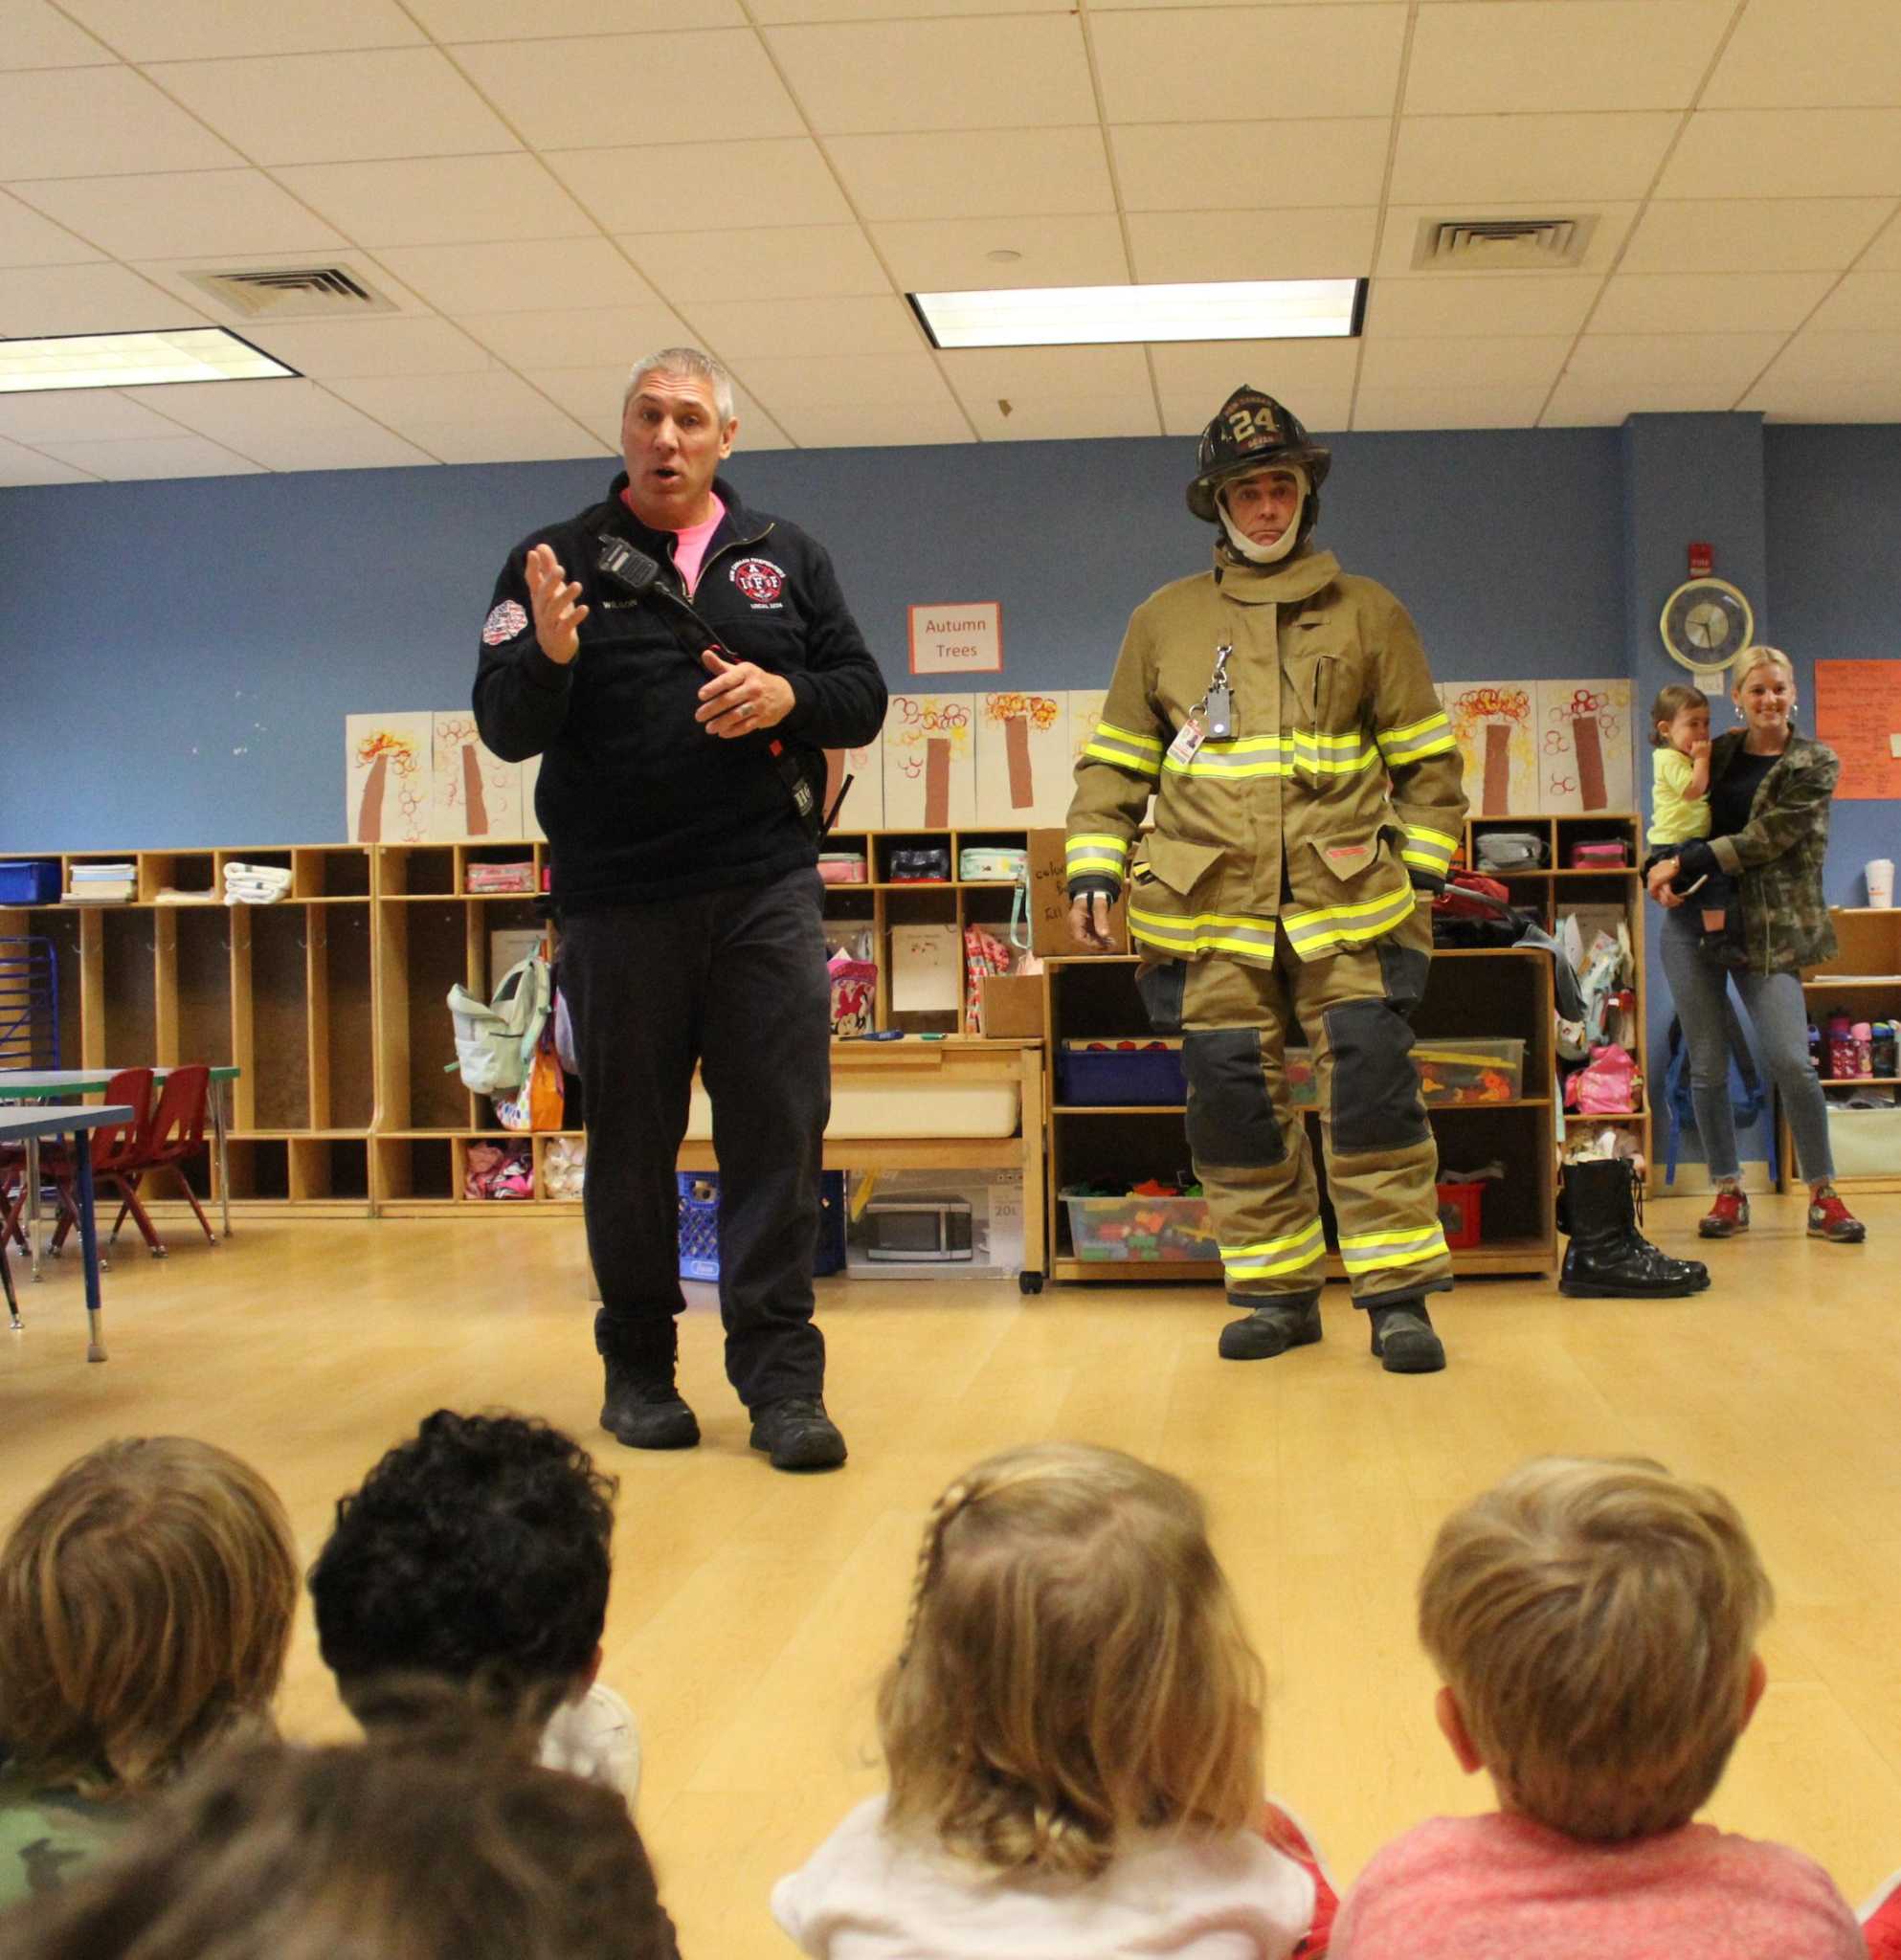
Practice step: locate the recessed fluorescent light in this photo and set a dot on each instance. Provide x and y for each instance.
(1067, 315)
(133, 359)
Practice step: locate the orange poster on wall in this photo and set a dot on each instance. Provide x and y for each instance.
(1858, 714)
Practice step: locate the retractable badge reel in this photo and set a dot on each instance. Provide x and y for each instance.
(1212, 719)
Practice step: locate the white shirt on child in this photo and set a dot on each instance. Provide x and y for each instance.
(871, 1894)
(596, 1740)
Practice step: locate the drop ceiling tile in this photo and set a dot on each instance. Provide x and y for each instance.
(1574, 159)
(1798, 53)
(506, 20)
(441, 200)
(1836, 361)
(182, 213)
(1440, 364)
(1516, 407)
(78, 415)
(726, 185)
(155, 458)
(86, 299)
(1233, 165)
(593, 337)
(1215, 369)
(97, 121)
(774, 12)
(1754, 234)
(1046, 373)
(1793, 153)
(1191, 245)
(1864, 303)
(821, 328)
(210, 30)
(39, 37)
(952, 254)
(1822, 401)
(1004, 173)
(1885, 253)
(344, 349)
(1405, 223)
(634, 88)
(593, 395)
(583, 273)
(1474, 57)
(1463, 304)
(1188, 412)
(20, 467)
(1714, 367)
(775, 262)
(870, 77)
(339, 108)
(26, 238)
(1698, 302)
(1065, 418)
(781, 382)
(865, 425)
(471, 418)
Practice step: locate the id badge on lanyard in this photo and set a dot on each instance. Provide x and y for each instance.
(1212, 719)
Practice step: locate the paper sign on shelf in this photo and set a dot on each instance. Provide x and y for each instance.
(926, 973)
(957, 640)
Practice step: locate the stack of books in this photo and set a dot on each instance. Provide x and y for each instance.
(102, 884)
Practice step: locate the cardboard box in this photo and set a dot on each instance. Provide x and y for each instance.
(1049, 903)
(1012, 1006)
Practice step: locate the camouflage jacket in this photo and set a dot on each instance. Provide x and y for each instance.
(1776, 857)
(48, 1836)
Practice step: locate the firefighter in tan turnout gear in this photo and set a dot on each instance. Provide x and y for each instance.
(1307, 801)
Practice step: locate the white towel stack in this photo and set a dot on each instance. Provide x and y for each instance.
(255, 885)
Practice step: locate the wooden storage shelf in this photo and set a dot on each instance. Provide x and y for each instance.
(1863, 979)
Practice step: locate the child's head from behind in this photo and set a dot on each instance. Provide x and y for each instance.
(146, 1597)
(1595, 1624)
(1679, 717)
(477, 1551)
(1073, 1669)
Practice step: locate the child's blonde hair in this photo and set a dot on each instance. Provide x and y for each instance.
(1670, 703)
(146, 1605)
(1074, 1667)
(1596, 1622)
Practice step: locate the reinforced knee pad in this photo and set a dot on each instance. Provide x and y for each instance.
(1376, 1104)
(1231, 1121)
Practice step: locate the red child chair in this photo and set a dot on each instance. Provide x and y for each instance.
(176, 1132)
(110, 1149)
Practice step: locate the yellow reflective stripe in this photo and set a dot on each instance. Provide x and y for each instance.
(1430, 848)
(1397, 752)
(1076, 868)
(1349, 924)
(1425, 726)
(1093, 853)
(1276, 1255)
(1326, 766)
(1135, 765)
(1302, 921)
(1206, 934)
(1096, 842)
(1225, 768)
(1128, 735)
(1369, 1250)
(1424, 833)
(1424, 859)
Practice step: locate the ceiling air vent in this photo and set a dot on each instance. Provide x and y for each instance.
(1501, 244)
(292, 292)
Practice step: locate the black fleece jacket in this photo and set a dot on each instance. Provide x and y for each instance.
(639, 803)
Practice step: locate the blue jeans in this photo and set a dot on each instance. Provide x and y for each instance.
(1777, 1013)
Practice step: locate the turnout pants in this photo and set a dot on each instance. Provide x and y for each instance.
(735, 981)
(1249, 1143)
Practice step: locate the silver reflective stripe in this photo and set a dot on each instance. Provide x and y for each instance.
(1366, 1251)
(1269, 1256)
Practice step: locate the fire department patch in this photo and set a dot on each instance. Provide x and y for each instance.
(759, 579)
(506, 622)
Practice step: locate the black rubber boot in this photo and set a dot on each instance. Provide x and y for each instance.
(642, 1409)
(797, 1435)
(1278, 1322)
(1608, 1258)
(1403, 1338)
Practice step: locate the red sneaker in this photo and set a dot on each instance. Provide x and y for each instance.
(1729, 1216)
(1285, 1832)
(1881, 1920)
(1828, 1217)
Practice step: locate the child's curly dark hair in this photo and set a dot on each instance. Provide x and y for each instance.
(478, 1550)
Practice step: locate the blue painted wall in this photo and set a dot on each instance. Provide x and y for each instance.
(176, 659)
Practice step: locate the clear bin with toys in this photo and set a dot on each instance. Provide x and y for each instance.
(1163, 1230)
(1491, 1069)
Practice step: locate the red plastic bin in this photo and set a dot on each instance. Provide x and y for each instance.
(1459, 1206)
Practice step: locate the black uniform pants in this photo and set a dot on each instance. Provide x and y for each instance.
(735, 981)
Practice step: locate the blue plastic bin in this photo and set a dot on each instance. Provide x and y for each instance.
(700, 1225)
(1119, 1075)
(29, 882)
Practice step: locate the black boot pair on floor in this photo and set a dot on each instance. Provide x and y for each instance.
(1402, 1333)
(1608, 1258)
(644, 1410)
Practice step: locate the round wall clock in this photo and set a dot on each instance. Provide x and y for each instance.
(1705, 623)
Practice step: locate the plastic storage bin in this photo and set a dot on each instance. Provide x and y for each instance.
(1487, 1070)
(1092, 1074)
(700, 1225)
(1865, 1143)
(1460, 1207)
(29, 882)
(1138, 1228)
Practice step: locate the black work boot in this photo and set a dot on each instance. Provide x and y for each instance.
(1608, 1258)
(797, 1435)
(1278, 1322)
(643, 1408)
(1403, 1338)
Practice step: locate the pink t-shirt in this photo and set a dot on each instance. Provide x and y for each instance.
(1501, 1887)
(690, 550)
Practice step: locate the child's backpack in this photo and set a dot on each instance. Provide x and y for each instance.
(495, 1039)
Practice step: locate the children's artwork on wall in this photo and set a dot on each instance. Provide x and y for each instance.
(1085, 710)
(863, 807)
(1023, 759)
(475, 794)
(1492, 723)
(1584, 745)
(386, 778)
(930, 778)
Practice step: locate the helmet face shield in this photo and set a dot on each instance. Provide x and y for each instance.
(1253, 432)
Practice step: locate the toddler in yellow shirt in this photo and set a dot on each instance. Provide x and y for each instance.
(1680, 796)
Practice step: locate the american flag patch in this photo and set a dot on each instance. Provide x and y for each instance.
(506, 622)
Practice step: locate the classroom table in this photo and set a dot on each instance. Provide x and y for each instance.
(37, 1084)
(74, 1119)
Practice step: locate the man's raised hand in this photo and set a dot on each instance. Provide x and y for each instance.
(557, 617)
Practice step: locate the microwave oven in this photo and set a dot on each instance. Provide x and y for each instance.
(916, 1229)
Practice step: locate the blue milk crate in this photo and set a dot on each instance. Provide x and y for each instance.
(1148, 1074)
(700, 1225)
(29, 882)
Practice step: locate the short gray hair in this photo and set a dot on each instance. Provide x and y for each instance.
(684, 361)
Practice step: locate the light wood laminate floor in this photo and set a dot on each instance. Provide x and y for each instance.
(752, 1612)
